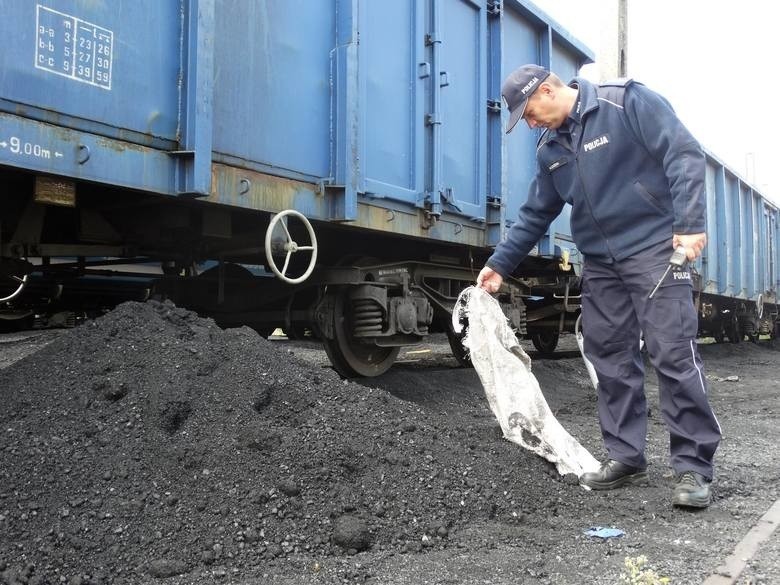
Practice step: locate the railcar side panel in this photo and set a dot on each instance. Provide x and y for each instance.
(393, 93)
(711, 260)
(748, 241)
(733, 213)
(273, 78)
(740, 259)
(461, 85)
(532, 37)
(112, 68)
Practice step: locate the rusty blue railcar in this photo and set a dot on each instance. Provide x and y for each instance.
(336, 168)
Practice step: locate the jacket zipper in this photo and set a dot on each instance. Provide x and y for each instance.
(590, 205)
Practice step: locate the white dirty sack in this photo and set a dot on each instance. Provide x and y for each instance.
(512, 390)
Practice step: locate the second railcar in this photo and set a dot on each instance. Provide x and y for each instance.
(737, 276)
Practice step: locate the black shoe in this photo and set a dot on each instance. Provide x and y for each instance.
(611, 475)
(691, 490)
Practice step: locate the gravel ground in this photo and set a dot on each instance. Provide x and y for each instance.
(151, 446)
(14, 346)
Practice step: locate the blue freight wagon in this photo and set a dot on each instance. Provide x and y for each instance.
(737, 276)
(340, 165)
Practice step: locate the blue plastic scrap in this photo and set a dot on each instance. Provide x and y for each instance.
(600, 532)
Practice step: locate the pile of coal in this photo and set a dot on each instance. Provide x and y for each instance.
(150, 443)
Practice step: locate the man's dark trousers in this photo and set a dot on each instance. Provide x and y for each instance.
(615, 310)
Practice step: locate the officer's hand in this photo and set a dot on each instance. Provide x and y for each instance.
(489, 280)
(693, 244)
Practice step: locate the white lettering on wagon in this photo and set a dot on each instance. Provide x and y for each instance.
(597, 143)
(74, 48)
(18, 146)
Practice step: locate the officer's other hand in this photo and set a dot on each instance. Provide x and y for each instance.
(489, 280)
(693, 244)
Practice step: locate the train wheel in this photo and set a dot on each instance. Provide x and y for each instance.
(460, 353)
(13, 278)
(750, 331)
(545, 342)
(349, 357)
(734, 331)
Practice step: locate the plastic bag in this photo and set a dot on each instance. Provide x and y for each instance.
(511, 389)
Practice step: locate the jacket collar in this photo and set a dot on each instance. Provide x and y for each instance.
(587, 101)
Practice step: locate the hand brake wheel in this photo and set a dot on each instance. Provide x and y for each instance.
(288, 246)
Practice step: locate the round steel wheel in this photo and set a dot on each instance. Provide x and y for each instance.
(733, 330)
(459, 352)
(12, 280)
(349, 357)
(545, 342)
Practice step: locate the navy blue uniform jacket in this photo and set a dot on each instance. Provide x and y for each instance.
(632, 172)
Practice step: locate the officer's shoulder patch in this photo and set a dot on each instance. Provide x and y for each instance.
(617, 82)
(614, 91)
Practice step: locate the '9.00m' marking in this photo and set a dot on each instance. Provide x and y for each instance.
(19, 146)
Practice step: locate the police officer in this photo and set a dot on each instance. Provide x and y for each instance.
(634, 176)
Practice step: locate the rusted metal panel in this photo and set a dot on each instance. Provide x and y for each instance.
(55, 191)
(262, 192)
